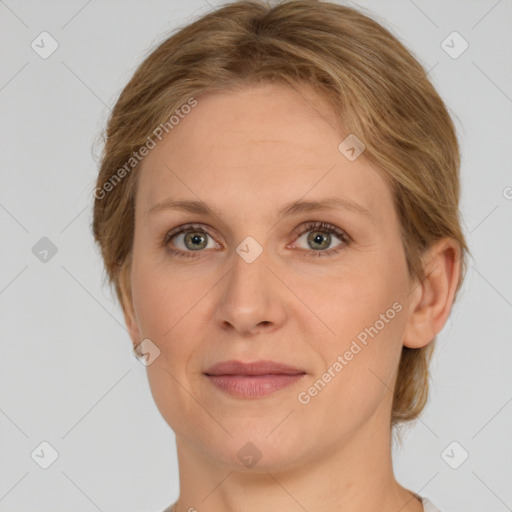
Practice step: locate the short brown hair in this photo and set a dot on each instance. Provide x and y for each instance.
(375, 86)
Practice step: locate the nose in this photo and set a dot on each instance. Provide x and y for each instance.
(252, 297)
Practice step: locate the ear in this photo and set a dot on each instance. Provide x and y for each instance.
(432, 299)
(127, 303)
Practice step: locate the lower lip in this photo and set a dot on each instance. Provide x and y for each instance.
(253, 386)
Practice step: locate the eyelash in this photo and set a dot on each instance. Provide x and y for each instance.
(308, 226)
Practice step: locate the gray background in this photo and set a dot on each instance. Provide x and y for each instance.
(67, 373)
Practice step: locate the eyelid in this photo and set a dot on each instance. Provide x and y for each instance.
(326, 227)
(320, 226)
(302, 229)
(192, 226)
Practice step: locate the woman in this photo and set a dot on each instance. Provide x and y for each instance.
(247, 144)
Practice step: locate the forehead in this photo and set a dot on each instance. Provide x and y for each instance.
(258, 147)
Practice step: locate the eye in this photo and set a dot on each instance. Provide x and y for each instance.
(189, 239)
(318, 237)
(186, 240)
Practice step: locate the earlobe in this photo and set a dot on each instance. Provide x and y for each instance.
(432, 299)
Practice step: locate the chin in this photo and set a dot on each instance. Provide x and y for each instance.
(258, 448)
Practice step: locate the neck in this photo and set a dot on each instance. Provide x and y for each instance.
(355, 474)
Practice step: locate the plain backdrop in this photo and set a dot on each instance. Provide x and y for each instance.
(67, 374)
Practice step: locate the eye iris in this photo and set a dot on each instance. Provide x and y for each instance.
(195, 238)
(316, 238)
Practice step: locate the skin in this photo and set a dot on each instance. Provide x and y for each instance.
(247, 153)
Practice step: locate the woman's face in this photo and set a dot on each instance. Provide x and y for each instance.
(261, 280)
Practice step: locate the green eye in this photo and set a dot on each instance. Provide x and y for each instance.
(195, 239)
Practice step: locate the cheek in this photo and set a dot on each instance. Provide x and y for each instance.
(163, 305)
(365, 313)
(173, 310)
(161, 298)
(359, 363)
(355, 299)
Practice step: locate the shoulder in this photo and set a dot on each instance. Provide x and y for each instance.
(428, 506)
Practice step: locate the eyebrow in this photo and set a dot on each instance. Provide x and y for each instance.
(294, 207)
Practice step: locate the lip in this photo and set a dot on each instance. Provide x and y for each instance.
(253, 379)
(252, 368)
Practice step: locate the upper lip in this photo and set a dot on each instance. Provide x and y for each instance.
(255, 368)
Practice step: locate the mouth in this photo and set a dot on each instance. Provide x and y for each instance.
(252, 380)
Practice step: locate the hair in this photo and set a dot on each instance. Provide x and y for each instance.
(377, 89)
